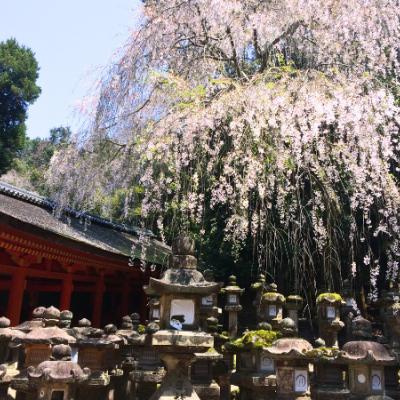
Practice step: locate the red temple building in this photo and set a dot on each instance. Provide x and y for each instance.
(74, 261)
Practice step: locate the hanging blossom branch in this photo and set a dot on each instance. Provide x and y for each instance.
(283, 114)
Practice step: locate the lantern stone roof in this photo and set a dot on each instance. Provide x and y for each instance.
(330, 298)
(182, 277)
(181, 281)
(7, 333)
(289, 348)
(363, 351)
(58, 371)
(48, 335)
(39, 214)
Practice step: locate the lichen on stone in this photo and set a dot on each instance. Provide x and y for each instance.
(253, 340)
(273, 296)
(330, 297)
(323, 352)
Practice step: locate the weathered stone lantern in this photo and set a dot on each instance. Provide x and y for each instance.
(59, 378)
(204, 369)
(255, 369)
(271, 309)
(154, 309)
(147, 372)
(366, 362)
(349, 309)
(329, 323)
(292, 367)
(259, 288)
(9, 355)
(99, 352)
(208, 304)
(293, 305)
(38, 344)
(233, 306)
(202, 375)
(392, 322)
(181, 289)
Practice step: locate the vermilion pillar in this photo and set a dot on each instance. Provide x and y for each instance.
(16, 296)
(98, 301)
(125, 298)
(66, 293)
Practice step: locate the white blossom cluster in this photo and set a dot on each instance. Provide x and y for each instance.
(284, 112)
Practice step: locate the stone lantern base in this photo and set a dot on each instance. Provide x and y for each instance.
(177, 349)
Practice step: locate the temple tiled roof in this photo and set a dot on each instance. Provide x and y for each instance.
(84, 228)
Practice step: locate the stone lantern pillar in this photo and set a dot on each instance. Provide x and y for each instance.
(181, 289)
(329, 322)
(349, 310)
(259, 288)
(271, 309)
(233, 306)
(294, 304)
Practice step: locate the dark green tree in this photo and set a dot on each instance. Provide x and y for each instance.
(19, 72)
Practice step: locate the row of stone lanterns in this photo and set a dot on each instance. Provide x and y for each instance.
(182, 353)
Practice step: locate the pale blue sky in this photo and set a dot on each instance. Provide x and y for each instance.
(72, 41)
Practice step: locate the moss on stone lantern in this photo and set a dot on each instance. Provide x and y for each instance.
(329, 323)
(271, 308)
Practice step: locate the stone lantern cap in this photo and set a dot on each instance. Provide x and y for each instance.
(211, 355)
(366, 352)
(7, 333)
(48, 335)
(294, 302)
(233, 287)
(36, 322)
(60, 369)
(361, 328)
(272, 295)
(182, 277)
(289, 348)
(330, 298)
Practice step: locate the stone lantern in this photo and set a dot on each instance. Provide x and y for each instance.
(181, 289)
(147, 372)
(255, 369)
(366, 362)
(259, 288)
(329, 323)
(392, 323)
(9, 355)
(208, 304)
(349, 310)
(233, 306)
(59, 378)
(293, 305)
(66, 319)
(38, 344)
(207, 366)
(291, 361)
(271, 309)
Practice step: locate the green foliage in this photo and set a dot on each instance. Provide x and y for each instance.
(33, 160)
(253, 340)
(18, 75)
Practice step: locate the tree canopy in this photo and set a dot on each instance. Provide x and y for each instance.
(270, 127)
(19, 72)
